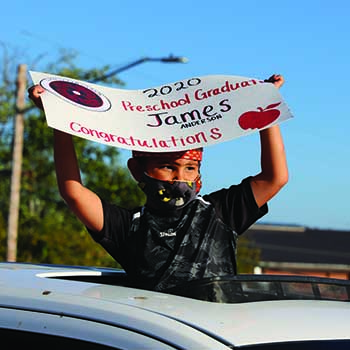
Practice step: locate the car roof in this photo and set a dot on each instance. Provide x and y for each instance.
(52, 288)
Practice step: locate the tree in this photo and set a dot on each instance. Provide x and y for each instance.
(48, 232)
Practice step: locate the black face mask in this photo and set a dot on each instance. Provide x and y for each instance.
(168, 195)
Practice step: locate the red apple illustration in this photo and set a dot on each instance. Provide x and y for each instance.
(260, 118)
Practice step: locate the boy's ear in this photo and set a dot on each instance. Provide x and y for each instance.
(136, 169)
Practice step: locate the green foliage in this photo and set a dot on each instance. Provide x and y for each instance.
(47, 231)
(248, 255)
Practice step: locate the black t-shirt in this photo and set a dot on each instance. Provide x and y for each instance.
(159, 253)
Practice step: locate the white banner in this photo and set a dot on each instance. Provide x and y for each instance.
(189, 113)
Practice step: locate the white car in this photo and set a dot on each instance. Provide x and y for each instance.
(64, 307)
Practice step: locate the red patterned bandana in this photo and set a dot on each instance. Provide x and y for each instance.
(192, 154)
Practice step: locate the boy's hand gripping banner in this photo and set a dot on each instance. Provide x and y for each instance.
(190, 113)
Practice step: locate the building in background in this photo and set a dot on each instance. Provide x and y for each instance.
(300, 250)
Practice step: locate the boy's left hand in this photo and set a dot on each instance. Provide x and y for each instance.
(276, 80)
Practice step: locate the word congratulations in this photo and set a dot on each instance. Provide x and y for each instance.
(151, 143)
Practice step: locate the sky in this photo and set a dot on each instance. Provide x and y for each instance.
(305, 41)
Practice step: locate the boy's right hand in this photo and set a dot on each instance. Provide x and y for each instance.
(34, 93)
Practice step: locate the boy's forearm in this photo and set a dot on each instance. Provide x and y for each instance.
(274, 170)
(273, 157)
(66, 163)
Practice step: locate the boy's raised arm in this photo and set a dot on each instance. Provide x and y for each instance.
(274, 169)
(85, 204)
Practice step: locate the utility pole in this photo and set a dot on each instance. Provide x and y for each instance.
(12, 227)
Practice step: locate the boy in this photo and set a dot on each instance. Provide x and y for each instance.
(178, 236)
